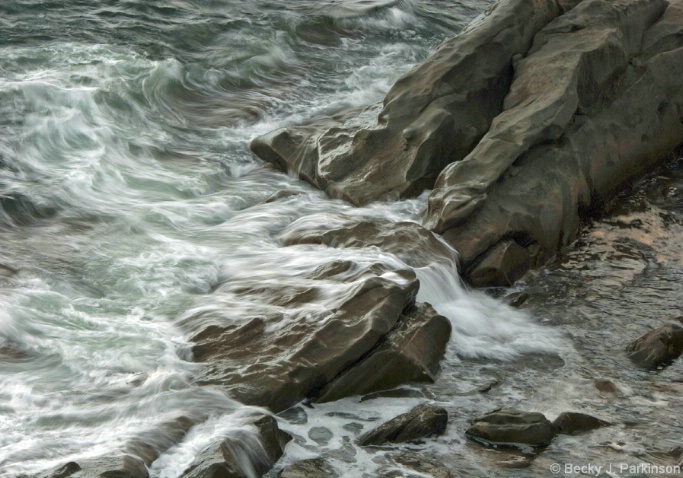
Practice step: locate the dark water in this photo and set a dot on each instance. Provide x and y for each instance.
(127, 192)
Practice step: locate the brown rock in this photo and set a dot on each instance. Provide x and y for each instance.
(410, 353)
(658, 347)
(509, 427)
(574, 423)
(420, 422)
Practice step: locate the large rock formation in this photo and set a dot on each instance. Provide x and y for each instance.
(532, 118)
(351, 326)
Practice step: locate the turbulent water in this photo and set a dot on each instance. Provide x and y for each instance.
(128, 192)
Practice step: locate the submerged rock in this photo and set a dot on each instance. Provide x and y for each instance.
(239, 456)
(525, 124)
(413, 463)
(509, 427)
(313, 468)
(658, 347)
(420, 422)
(574, 423)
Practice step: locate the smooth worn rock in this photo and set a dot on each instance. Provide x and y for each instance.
(509, 427)
(658, 347)
(420, 422)
(410, 353)
(574, 423)
(243, 455)
(313, 468)
(432, 116)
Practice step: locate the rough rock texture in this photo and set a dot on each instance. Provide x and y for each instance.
(420, 422)
(240, 456)
(532, 118)
(315, 329)
(574, 423)
(512, 428)
(313, 468)
(409, 353)
(658, 347)
(122, 466)
(434, 115)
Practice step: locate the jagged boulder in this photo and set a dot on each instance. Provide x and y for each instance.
(432, 116)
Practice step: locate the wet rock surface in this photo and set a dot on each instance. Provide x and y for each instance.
(658, 347)
(525, 124)
(123, 466)
(575, 423)
(366, 336)
(240, 456)
(416, 464)
(509, 427)
(420, 422)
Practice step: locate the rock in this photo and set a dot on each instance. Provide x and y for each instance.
(516, 299)
(432, 116)
(574, 423)
(122, 466)
(277, 370)
(530, 120)
(6, 271)
(241, 456)
(364, 333)
(658, 347)
(149, 445)
(606, 386)
(313, 468)
(509, 427)
(409, 241)
(420, 422)
(282, 194)
(410, 353)
(424, 465)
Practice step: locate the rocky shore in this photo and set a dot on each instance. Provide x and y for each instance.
(523, 126)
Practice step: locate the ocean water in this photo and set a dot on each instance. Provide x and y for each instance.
(127, 192)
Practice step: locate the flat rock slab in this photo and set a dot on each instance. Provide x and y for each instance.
(575, 423)
(509, 427)
(420, 422)
(657, 348)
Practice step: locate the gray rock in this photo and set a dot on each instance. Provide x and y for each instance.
(658, 347)
(509, 427)
(313, 468)
(420, 422)
(421, 464)
(432, 116)
(574, 423)
(241, 456)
